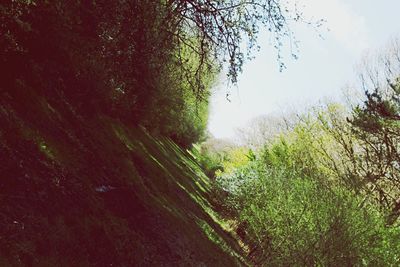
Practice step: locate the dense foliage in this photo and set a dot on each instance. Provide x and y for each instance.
(303, 201)
(101, 58)
(324, 189)
(149, 63)
(377, 125)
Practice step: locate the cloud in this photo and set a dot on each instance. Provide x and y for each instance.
(346, 26)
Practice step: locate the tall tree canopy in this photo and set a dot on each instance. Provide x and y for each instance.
(149, 62)
(220, 27)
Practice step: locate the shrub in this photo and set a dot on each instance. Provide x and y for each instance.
(290, 219)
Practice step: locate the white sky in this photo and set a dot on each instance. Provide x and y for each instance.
(323, 68)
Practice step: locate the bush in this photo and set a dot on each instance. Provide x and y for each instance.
(290, 219)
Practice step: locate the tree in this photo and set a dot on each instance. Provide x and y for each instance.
(149, 63)
(376, 123)
(214, 30)
(265, 129)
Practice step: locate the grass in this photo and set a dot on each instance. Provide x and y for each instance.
(157, 213)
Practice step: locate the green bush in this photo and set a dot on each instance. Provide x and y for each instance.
(291, 219)
(295, 221)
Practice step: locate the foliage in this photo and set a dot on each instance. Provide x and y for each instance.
(214, 31)
(98, 57)
(236, 158)
(292, 219)
(296, 221)
(377, 125)
(307, 198)
(357, 149)
(98, 192)
(264, 129)
(150, 63)
(210, 161)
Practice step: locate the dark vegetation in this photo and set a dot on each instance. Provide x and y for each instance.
(100, 194)
(148, 63)
(100, 103)
(101, 58)
(94, 98)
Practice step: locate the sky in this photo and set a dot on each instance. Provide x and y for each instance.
(324, 67)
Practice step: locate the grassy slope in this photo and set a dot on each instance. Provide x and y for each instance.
(154, 211)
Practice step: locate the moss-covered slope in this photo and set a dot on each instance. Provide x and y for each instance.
(93, 191)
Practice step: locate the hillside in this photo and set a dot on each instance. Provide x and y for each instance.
(93, 191)
(107, 154)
